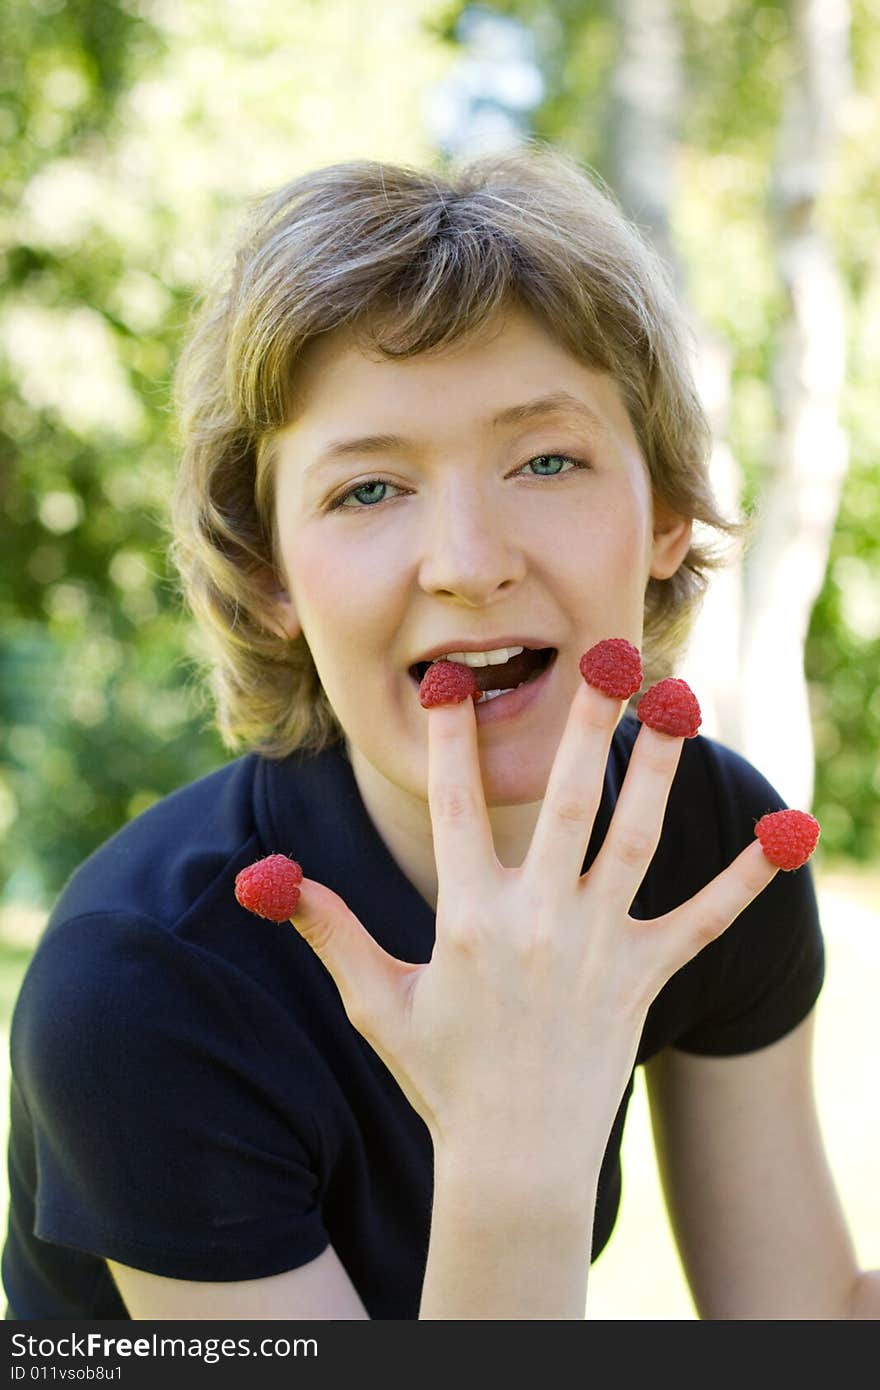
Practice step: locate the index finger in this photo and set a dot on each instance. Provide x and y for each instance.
(463, 845)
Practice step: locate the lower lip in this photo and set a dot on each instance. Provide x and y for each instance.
(505, 707)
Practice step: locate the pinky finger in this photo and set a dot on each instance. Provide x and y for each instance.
(708, 914)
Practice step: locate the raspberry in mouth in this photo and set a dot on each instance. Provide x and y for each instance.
(526, 666)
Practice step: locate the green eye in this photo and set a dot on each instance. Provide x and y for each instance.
(375, 485)
(550, 458)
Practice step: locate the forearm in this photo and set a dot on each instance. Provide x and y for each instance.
(501, 1251)
(865, 1301)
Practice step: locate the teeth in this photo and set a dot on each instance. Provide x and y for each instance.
(493, 695)
(497, 657)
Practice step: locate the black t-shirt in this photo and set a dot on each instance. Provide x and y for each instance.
(187, 1094)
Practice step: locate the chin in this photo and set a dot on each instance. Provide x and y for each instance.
(509, 779)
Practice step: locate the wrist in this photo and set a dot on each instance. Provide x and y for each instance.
(531, 1185)
(506, 1242)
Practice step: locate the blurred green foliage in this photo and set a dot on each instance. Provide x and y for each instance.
(131, 134)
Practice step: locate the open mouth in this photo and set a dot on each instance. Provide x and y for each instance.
(526, 666)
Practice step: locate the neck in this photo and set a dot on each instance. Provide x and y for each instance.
(403, 822)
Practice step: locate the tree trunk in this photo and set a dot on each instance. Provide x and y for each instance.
(799, 501)
(647, 92)
(643, 117)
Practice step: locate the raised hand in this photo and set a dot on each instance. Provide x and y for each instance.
(532, 1005)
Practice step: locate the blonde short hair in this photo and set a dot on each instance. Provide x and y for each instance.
(410, 260)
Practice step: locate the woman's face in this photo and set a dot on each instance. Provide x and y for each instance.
(480, 526)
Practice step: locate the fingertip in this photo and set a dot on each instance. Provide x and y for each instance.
(670, 707)
(760, 869)
(600, 710)
(648, 732)
(658, 749)
(446, 683)
(788, 837)
(613, 666)
(432, 706)
(310, 895)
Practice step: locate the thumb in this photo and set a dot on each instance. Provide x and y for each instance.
(369, 980)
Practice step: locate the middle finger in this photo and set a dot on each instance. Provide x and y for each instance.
(637, 823)
(574, 790)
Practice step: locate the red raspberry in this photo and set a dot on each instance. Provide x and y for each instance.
(614, 667)
(270, 888)
(788, 838)
(671, 707)
(447, 683)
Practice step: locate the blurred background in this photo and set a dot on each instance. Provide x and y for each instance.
(741, 135)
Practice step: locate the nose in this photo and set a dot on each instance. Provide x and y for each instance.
(470, 552)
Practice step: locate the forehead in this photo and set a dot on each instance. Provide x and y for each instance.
(340, 382)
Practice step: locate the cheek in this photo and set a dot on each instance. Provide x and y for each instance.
(320, 578)
(612, 541)
(342, 598)
(626, 551)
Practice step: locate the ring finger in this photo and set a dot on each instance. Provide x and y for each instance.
(637, 823)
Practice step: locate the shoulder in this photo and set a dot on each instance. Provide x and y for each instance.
(709, 769)
(148, 958)
(161, 862)
(155, 864)
(147, 928)
(715, 801)
(763, 974)
(737, 787)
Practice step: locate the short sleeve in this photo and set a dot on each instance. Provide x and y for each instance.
(761, 978)
(173, 1132)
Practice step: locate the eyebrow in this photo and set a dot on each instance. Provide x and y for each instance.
(556, 403)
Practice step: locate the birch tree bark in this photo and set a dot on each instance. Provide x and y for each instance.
(643, 117)
(800, 498)
(647, 90)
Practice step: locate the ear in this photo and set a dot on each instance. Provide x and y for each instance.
(672, 540)
(278, 614)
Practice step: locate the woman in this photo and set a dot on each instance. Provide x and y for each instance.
(430, 417)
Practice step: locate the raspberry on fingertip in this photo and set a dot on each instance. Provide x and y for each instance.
(670, 707)
(613, 666)
(447, 683)
(270, 887)
(788, 838)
